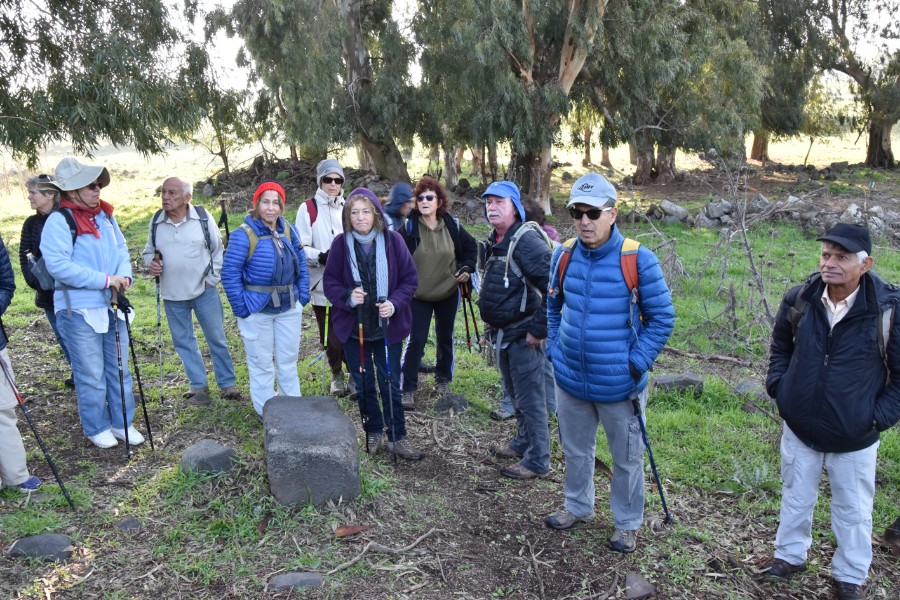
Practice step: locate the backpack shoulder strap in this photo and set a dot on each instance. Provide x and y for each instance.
(70, 221)
(313, 209)
(154, 223)
(252, 237)
(884, 331)
(628, 260)
(561, 265)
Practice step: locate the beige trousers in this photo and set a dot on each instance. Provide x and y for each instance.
(13, 470)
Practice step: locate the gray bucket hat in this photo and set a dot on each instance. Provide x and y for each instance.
(71, 174)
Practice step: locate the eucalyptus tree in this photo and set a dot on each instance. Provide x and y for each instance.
(92, 72)
(339, 70)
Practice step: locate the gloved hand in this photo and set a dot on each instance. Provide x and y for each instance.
(323, 257)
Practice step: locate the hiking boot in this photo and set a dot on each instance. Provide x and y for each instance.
(104, 439)
(623, 540)
(404, 449)
(193, 391)
(501, 414)
(230, 393)
(199, 398)
(338, 387)
(847, 591)
(374, 442)
(442, 387)
(517, 471)
(30, 485)
(70, 382)
(563, 519)
(351, 387)
(782, 569)
(134, 436)
(406, 399)
(504, 452)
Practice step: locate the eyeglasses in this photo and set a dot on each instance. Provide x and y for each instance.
(427, 197)
(593, 214)
(93, 186)
(363, 212)
(337, 180)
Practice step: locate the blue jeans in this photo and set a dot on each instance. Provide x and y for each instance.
(373, 419)
(523, 374)
(96, 371)
(208, 308)
(51, 316)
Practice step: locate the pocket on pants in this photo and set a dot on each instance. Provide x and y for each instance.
(788, 469)
(635, 440)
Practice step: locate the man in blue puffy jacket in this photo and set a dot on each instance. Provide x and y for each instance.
(602, 346)
(836, 393)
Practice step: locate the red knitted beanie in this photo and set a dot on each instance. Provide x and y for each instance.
(266, 186)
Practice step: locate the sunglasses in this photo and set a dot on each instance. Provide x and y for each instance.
(337, 180)
(93, 186)
(427, 197)
(593, 214)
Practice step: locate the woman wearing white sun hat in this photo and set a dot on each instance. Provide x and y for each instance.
(85, 252)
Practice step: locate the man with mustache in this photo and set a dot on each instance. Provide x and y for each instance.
(834, 371)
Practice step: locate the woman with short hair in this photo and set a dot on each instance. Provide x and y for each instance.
(44, 198)
(265, 278)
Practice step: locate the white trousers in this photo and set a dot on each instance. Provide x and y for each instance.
(272, 344)
(12, 453)
(852, 478)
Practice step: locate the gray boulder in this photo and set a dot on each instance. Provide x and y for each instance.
(757, 204)
(45, 547)
(673, 210)
(207, 456)
(457, 402)
(311, 450)
(701, 220)
(683, 383)
(717, 209)
(852, 214)
(638, 588)
(876, 211)
(293, 581)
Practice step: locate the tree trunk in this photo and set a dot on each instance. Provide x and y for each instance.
(362, 156)
(451, 175)
(386, 159)
(878, 151)
(535, 169)
(492, 160)
(604, 158)
(586, 161)
(665, 164)
(460, 154)
(632, 154)
(760, 149)
(477, 162)
(646, 161)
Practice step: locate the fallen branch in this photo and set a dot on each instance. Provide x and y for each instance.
(719, 357)
(437, 441)
(376, 547)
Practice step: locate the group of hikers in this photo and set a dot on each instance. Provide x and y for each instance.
(575, 328)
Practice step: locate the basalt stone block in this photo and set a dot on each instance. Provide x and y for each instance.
(207, 456)
(687, 382)
(45, 547)
(293, 581)
(311, 450)
(638, 588)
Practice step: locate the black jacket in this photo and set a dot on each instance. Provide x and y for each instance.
(7, 287)
(500, 304)
(464, 245)
(831, 385)
(31, 242)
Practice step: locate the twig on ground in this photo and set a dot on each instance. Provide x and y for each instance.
(719, 357)
(376, 547)
(537, 568)
(437, 439)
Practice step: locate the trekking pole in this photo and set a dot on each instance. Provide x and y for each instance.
(223, 220)
(478, 339)
(115, 306)
(126, 307)
(637, 411)
(463, 290)
(361, 394)
(325, 343)
(12, 385)
(158, 257)
(385, 323)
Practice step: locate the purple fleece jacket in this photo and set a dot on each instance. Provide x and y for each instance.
(402, 282)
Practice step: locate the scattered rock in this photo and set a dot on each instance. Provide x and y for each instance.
(462, 185)
(457, 402)
(128, 524)
(566, 176)
(208, 189)
(309, 463)
(207, 456)
(840, 167)
(757, 204)
(683, 383)
(701, 220)
(673, 210)
(45, 547)
(715, 210)
(892, 536)
(638, 588)
(852, 214)
(293, 581)
(754, 395)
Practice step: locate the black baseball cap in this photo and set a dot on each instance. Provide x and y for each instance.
(854, 238)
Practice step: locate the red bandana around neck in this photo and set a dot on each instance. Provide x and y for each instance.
(84, 216)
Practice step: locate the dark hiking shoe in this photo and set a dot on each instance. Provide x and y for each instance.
(404, 449)
(374, 442)
(517, 471)
(69, 382)
(199, 398)
(563, 519)
(231, 393)
(406, 399)
(442, 387)
(782, 569)
(426, 368)
(191, 392)
(338, 387)
(500, 414)
(504, 452)
(623, 540)
(847, 591)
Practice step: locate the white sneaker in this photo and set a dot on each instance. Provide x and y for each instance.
(104, 439)
(134, 436)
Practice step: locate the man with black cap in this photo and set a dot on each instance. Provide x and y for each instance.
(603, 338)
(834, 371)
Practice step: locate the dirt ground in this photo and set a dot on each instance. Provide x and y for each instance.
(462, 530)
